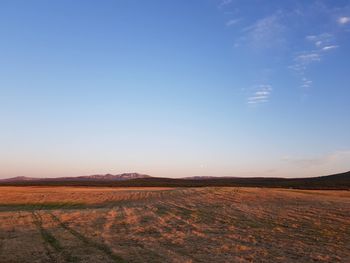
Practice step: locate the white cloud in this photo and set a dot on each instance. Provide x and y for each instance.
(343, 20)
(233, 22)
(322, 43)
(275, 34)
(225, 2)
(301, 63)
(321, 40)
(261, 94)
(308, 57)
(265, 33)
(329, 47)
(306, 83)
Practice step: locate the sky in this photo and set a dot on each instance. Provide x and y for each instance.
(174, 88)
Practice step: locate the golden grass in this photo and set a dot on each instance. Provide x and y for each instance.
(81, 224)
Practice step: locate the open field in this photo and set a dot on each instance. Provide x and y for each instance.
(80, 224)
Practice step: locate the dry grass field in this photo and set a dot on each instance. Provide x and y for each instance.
(75, 224)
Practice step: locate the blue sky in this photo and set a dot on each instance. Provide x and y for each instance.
(174, 88)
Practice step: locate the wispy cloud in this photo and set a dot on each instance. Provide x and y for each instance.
(306, 83)
(233, 22)
(303, 59)
(321, 40)
(264, 33)
(343, 20)
(321, 43)
(261, 94)
(308, 57)
(278, 32)
(329, 47)
(224, 3)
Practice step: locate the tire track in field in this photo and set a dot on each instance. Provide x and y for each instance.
(113, 219)
(89, 242)
(168, 217)
(184, 210)
(133, 223)
(212, 231)
(159, 222)
(1, 245)
(107, 227)
(146, 222)
(50, 242)
(2, 239)
(125, 223)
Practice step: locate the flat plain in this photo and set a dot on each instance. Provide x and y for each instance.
(213, 224)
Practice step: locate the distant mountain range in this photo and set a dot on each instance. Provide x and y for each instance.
(103, 177)
(335, 181)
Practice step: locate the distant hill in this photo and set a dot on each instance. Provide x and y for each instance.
(124, 176)
(18, 178)
(201, 177)
(104, 177)
(336, 181)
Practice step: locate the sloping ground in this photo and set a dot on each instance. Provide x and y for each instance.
(67, 224)
(337, 181)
